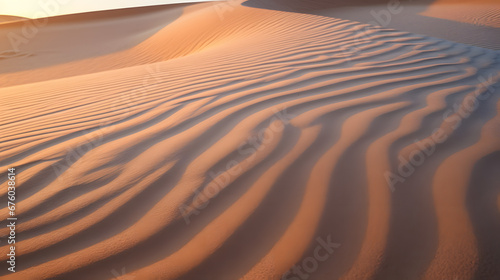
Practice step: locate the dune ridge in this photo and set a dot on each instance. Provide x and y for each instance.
(482, 12)
(4, 19)
(226, 154)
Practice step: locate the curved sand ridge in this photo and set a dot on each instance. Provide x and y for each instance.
(256, 139)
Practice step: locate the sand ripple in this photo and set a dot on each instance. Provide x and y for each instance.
(230, 160)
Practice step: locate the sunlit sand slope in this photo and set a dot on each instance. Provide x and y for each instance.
(8, 19)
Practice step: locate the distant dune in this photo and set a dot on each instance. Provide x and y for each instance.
(138, 36)
(9, 19)
(252, 140)
(478, 12)
(463, 21)
(61, 48)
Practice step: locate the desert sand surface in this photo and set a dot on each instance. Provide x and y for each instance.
(254, 140)
(483, 12)
(8, 19)
(463, 21)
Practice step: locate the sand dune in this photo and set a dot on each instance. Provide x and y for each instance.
(43, 56)
(9, 19)
(232, 140)
(464, 21)
(480, 12)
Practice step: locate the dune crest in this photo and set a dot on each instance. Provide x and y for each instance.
(479, 12)
(10, 19)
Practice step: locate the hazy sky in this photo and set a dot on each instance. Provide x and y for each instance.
(44, 8)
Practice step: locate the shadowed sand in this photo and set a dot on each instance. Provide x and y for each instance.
(223, 140)
(463, 21)
(483, 12)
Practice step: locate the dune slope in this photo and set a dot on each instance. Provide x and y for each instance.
(9, 19)
(255, 138)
